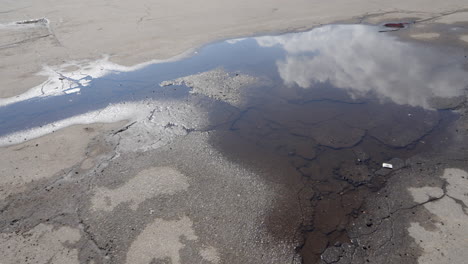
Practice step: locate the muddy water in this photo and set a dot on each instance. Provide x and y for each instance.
(331, 105)
(331, 152)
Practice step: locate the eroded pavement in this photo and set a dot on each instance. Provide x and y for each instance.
(277, 160)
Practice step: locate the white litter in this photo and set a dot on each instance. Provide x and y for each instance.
(71, 91)
(387, 165)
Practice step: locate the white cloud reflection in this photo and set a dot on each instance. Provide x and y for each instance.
(361, 60)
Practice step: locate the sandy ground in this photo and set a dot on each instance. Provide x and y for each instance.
(80, 176)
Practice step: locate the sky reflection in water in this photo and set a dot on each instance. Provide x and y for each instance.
(360, 59)
(356, 58)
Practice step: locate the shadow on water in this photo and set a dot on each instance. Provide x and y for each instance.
(341, 100)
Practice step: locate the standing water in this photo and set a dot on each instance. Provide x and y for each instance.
(328, 105)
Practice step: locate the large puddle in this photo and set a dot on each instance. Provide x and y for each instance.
(355, 60)
(328, 105)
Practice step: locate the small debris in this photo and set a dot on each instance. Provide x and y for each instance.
(396, 25)
(71, 91)
(387, 165)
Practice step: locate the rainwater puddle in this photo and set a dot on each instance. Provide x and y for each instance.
(328, 106)
(357, 61)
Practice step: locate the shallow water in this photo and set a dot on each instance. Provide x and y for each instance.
(331, 105)
(368, 65)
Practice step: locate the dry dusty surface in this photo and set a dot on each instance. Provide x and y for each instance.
(156, 191)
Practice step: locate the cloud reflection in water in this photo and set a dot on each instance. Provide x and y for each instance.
(361, 60)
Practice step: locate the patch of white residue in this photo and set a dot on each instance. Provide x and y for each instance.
(112, 113)
(234, 41)
(154, 123)
(60, 79)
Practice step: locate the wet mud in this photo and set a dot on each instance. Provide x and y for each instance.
(316, 112)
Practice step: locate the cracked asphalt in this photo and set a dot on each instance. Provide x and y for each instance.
(252, 172)
(252, 186)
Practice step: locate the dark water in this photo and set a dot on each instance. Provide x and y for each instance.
(340, 100)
